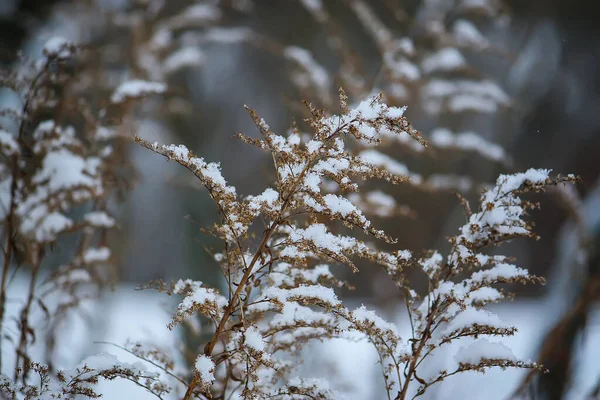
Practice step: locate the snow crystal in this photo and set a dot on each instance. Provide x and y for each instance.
(290, 251)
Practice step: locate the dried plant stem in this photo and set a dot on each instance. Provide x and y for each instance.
(412, 369)
(208, 349)
(8, 249)
(5, 268)
(25, 328)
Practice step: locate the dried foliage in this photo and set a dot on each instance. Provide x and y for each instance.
(62, 163)
(280, 283)
(279, 247)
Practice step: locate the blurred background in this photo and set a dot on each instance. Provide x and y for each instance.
(520, 74)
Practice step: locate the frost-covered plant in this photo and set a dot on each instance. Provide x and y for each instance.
(62, 163)
(279, 247)
(80, 381)
(431, 55)
(428, 54)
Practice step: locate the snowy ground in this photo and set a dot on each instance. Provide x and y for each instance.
(143, 316)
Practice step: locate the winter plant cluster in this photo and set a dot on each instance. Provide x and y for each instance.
(64, 153)
(280, 285)
(62, 162)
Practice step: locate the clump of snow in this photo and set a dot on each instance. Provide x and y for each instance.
(228, 35)
(470, 141)
(446, 59)
(203, 12)
(467, 34)
(101, 361)
(205, 367)
(198, 298)
(136, 88)
(267, 199)
(58, 47)
(254, 339)
(473, 316)
(463, 95)
(184, 58)
(96, 254)
(483, 349)
(313, 71)
(105, 133)
(8, 143)
(99, 219)
(363, 315)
